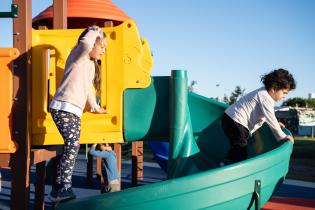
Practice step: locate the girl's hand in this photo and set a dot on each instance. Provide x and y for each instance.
(94, 28)
(97, 29)
(101, 111)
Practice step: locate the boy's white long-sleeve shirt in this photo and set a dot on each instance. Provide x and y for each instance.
(255, 108)
(76, 86)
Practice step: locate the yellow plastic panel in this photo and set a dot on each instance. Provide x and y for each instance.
(127, 63)
(7, 55)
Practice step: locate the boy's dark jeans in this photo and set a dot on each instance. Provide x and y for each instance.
(238, 136)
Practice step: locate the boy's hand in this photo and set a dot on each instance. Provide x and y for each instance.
(108, 148)
(289, 138)
(281, 125)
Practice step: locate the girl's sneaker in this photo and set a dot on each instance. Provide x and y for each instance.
(61, 195)
(54, 192)
(65, 194)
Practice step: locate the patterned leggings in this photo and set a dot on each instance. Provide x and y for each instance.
(69, 126)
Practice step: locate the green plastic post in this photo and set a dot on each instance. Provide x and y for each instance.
(182, 142)
(12, 14)
(257, 194)
(256, 197)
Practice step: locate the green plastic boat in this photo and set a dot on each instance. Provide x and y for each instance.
(191, 123)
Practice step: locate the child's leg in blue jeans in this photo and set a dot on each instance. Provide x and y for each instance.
(110, 166)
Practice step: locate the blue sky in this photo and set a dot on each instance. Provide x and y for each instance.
(221, 43)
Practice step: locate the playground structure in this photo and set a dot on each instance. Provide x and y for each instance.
(140, 107)
(17, 111)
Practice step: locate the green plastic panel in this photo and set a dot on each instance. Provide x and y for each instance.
(146, 111)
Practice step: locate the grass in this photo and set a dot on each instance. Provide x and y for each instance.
(302, 164)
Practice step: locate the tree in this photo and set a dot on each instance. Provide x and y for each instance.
(226, 99)
(235, 95)
(310, 102)
(191, 86)
(295, 102)
(299, 102)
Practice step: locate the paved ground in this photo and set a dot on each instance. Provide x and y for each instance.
(296, 188)
(152, 173)
(302, 163)
(293, 195)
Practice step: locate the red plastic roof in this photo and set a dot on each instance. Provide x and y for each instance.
(78, 10)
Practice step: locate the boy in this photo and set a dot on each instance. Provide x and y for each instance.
(252, 110)
(109, 166)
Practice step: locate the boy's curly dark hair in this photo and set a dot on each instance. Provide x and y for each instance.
(278, 79)
(98, 146)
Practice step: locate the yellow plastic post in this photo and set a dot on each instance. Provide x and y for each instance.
(7, 55)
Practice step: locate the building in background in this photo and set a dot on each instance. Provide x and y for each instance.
(311, 96)
(306, 122)
(300, 121)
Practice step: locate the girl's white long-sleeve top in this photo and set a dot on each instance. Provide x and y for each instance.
(76, 87)
(255, 108)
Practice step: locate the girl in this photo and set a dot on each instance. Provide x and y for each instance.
(252, 110)
(76, 88)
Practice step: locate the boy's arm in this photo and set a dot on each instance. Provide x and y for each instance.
(97, 153)
(271, 120)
